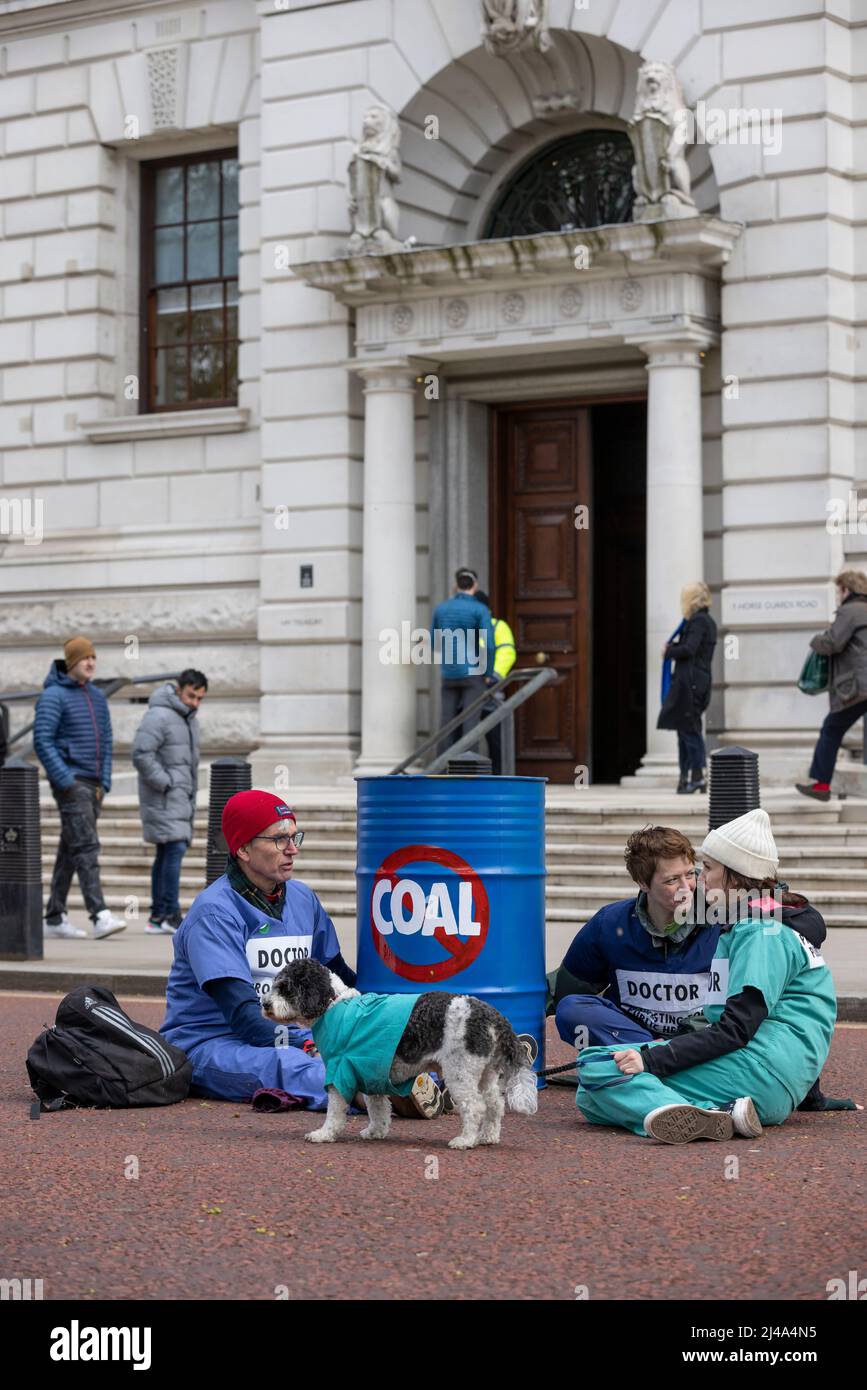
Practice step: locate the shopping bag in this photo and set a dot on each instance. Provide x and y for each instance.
(813, 679)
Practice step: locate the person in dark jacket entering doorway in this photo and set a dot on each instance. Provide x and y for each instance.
(845, 642)
(686, 689)
(166, 757)
(462, 642)
(72, 738)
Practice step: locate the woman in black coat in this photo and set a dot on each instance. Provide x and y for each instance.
(688, 695)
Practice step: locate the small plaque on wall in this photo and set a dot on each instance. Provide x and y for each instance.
(786, 604)
(306, 576)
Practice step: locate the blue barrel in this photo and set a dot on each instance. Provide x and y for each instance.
(451, 891)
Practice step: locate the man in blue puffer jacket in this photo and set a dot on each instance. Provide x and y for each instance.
(72, 738)
(462, 639)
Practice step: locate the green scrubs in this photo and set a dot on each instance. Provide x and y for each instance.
(778, 1065)
(358, 1038)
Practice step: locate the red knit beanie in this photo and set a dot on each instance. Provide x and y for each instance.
(247, 814)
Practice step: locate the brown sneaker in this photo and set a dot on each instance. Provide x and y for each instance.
(680, 1124)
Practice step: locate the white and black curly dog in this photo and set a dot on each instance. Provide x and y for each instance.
(470, 1044)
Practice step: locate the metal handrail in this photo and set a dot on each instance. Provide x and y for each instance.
(109, 685)
(533, 680)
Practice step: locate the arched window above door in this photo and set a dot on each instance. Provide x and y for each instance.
(582, 180)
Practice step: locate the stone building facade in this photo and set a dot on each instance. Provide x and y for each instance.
(383, 398)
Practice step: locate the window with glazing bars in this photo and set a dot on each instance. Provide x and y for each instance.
(190, 281)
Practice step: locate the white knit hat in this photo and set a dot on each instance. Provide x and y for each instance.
(745, 845)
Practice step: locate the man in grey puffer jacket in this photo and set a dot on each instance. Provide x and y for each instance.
(166, 756)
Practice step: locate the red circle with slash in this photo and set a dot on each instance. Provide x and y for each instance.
(462, 953)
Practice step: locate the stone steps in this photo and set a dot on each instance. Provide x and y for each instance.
(823, 851)
(572, 902)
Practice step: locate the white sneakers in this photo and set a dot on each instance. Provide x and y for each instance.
(106, 925)
(745, 1118)
(680, 1124)
(163, 928)
(63, 928)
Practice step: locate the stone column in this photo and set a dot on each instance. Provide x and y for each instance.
(388, 689)
(675, 529)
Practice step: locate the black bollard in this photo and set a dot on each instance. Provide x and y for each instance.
(469, 765)
(20, 863)
(734, 785)
(228, 775)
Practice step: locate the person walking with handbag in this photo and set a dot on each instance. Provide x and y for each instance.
(166, 756)
(686, 690)
(845, 645)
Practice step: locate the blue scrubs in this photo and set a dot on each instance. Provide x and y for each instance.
(586, 1020)
(225, 936)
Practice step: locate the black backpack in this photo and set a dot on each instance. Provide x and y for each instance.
(96, 1055)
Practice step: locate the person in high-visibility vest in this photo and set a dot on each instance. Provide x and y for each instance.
(504, 659)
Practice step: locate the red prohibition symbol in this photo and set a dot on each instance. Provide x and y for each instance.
(462, 952)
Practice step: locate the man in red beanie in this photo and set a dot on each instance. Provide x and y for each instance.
(238, 934)
(235, 938)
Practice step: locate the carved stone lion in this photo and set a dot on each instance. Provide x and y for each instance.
(660, 174)
(374, 169)
(512, 24)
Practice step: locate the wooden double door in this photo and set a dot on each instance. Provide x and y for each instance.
(561, 566)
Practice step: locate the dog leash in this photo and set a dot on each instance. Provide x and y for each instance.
(552, 1071)
(568, 1066)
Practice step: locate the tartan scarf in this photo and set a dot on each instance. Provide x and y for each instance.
(271, 906)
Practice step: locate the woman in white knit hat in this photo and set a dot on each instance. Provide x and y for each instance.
(771, 1007)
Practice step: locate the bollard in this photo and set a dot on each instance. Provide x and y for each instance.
(20, 863)
(734, 785)
(469, 765)
(228, 775)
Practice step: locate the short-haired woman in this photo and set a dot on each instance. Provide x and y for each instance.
(686, 691)
(647, 953)
(845, 642)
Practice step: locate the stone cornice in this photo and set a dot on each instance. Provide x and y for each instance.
(692, 243)
(170, 424)
(65, 13)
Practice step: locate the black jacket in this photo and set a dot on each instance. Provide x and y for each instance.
(689, 693)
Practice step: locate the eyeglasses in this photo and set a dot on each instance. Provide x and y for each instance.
(281, 841)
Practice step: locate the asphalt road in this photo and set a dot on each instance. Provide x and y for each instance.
(207, 1200)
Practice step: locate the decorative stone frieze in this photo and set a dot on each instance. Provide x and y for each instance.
(163, 66)
(406, 302)
(105, 617)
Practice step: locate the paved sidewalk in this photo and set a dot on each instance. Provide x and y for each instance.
(207, 1200)
(134, 961)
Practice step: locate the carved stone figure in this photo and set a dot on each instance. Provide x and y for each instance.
(512, 24)
(374, 169)
(660, 174)
(558, 103)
